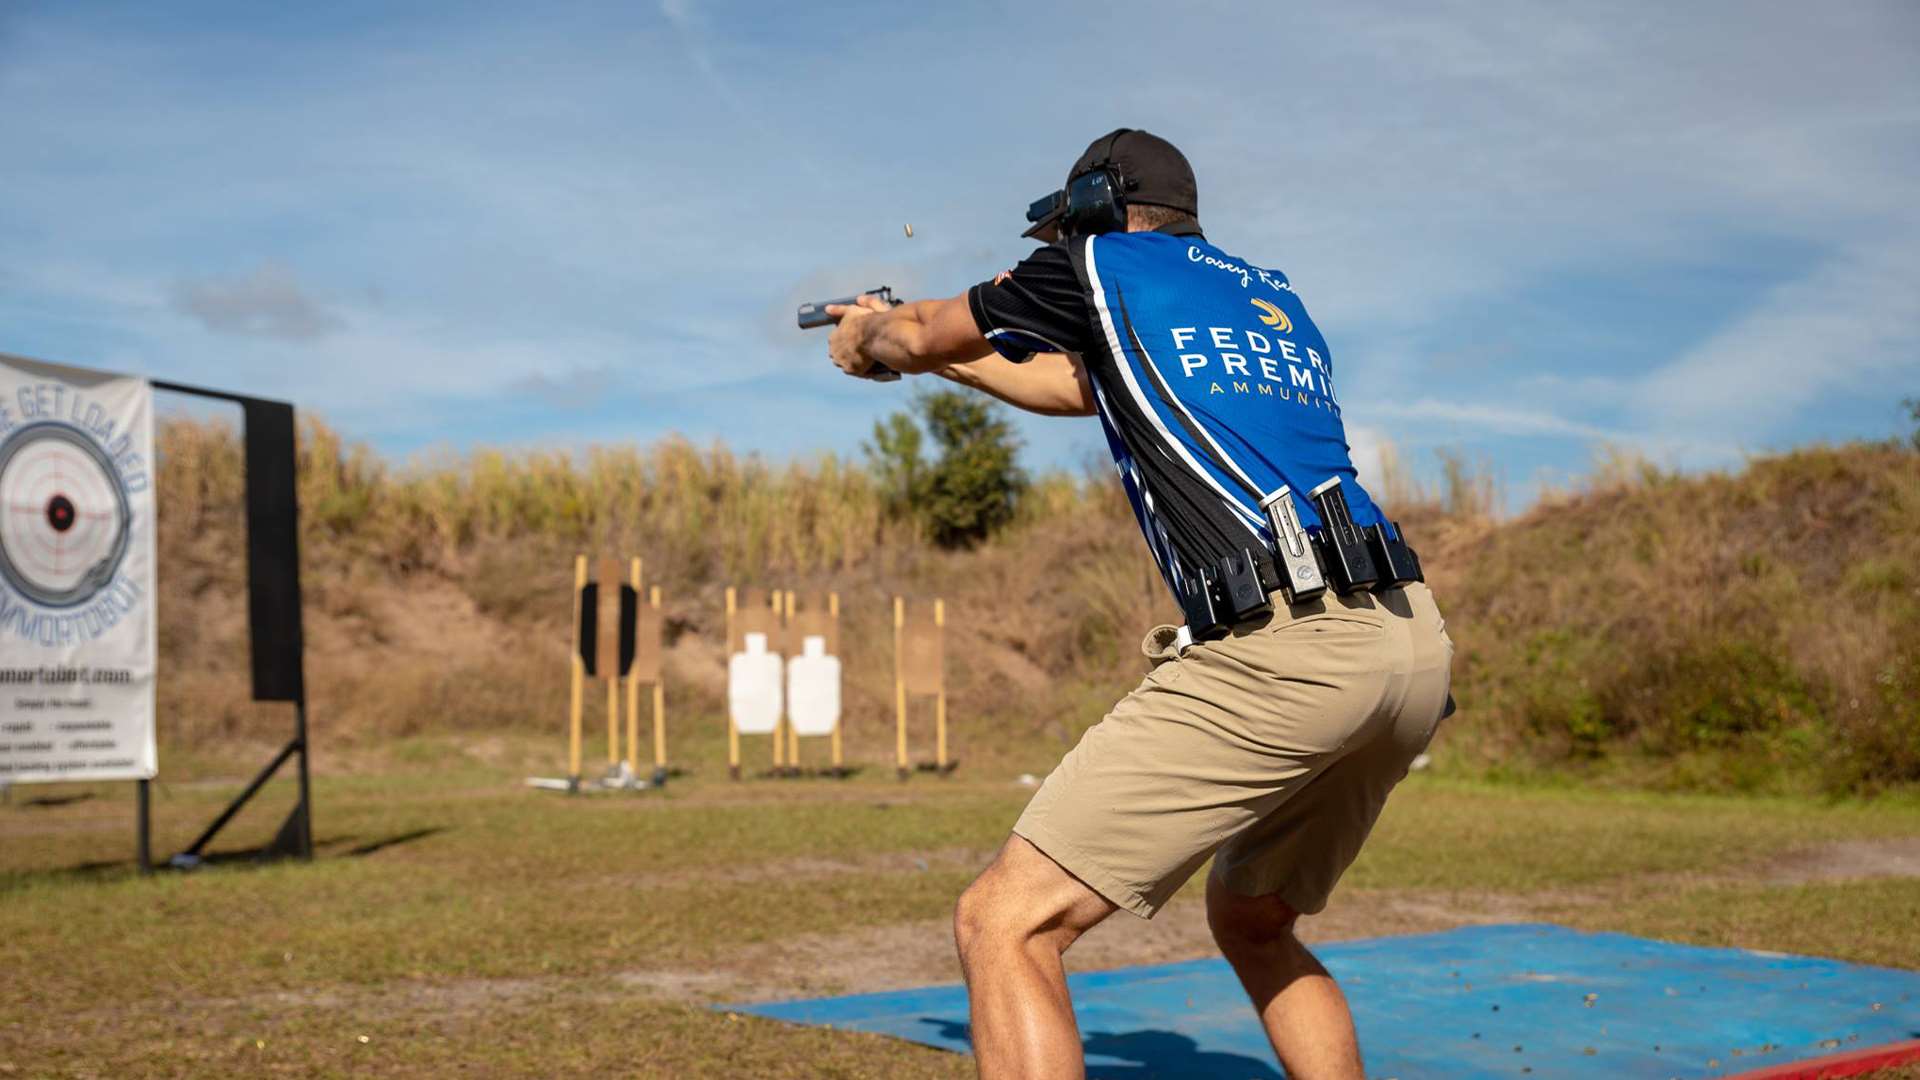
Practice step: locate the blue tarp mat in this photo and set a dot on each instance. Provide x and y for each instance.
(1487, 1001)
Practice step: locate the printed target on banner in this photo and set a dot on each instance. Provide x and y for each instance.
(77, 626)
(64, 518)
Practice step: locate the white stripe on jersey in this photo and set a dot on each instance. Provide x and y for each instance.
(1029, 335)
(1251, 517)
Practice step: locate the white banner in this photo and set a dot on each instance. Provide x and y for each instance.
(77, 634)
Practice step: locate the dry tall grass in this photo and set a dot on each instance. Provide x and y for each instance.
(1756, 631)
(1751, 631)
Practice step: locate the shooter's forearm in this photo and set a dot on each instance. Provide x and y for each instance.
(1051, 384)
(919, 337)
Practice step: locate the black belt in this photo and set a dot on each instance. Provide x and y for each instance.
(1238, 587)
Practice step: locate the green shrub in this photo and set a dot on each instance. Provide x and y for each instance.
(1558, 697)
(1716, 692)
(973, 489)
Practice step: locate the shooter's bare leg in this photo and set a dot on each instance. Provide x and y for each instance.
(1012, 925)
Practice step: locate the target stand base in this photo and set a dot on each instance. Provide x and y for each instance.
(825, 772)
(577, 786)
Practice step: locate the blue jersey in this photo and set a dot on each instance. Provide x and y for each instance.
(1213, 384)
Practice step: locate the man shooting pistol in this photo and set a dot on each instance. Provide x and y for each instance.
(1313, 666)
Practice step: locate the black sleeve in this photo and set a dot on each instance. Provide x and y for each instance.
(1035, 307)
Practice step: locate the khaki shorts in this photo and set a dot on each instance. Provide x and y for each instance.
(1272, 749)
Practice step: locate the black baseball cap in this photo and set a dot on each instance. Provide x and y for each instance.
(1153, 171)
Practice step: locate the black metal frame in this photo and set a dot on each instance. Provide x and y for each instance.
(295, 837)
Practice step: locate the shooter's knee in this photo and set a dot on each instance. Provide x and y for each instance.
(972, 920)
(1248, 921)
(986, 918)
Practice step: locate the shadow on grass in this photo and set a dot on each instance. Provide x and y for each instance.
(809, 772)
(1146, 1053)
(104, 870)
(55, 800)
(396, 840)
(115, 869)
(328, 846)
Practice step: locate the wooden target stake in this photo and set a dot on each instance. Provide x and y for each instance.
(733, 732)
(580, 624)
(613, 722)
(776, 645)
(899, 686)
(659, 707)
(782, 732)
(833, 611)
(940, 699)
(609, 661)
(792, 649)
(629, 633)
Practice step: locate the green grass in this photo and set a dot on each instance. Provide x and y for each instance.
(1868, 922)
(561, 1030)
(501, 932)
(1456, 835)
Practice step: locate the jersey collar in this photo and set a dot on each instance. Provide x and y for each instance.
(1182, 227)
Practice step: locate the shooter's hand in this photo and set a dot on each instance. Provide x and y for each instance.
(846, 348)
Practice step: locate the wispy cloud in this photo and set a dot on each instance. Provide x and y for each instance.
(1851, 320)
(681, 16)
(268, 301)
(1484, 419)
(696, 47)
(572, 388)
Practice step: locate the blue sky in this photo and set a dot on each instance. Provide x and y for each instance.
(1688, 229)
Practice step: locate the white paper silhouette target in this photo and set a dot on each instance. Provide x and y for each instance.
(753, 688)
(813, 689)
(64, 519)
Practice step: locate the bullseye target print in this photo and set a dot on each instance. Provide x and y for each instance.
(64, 518)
